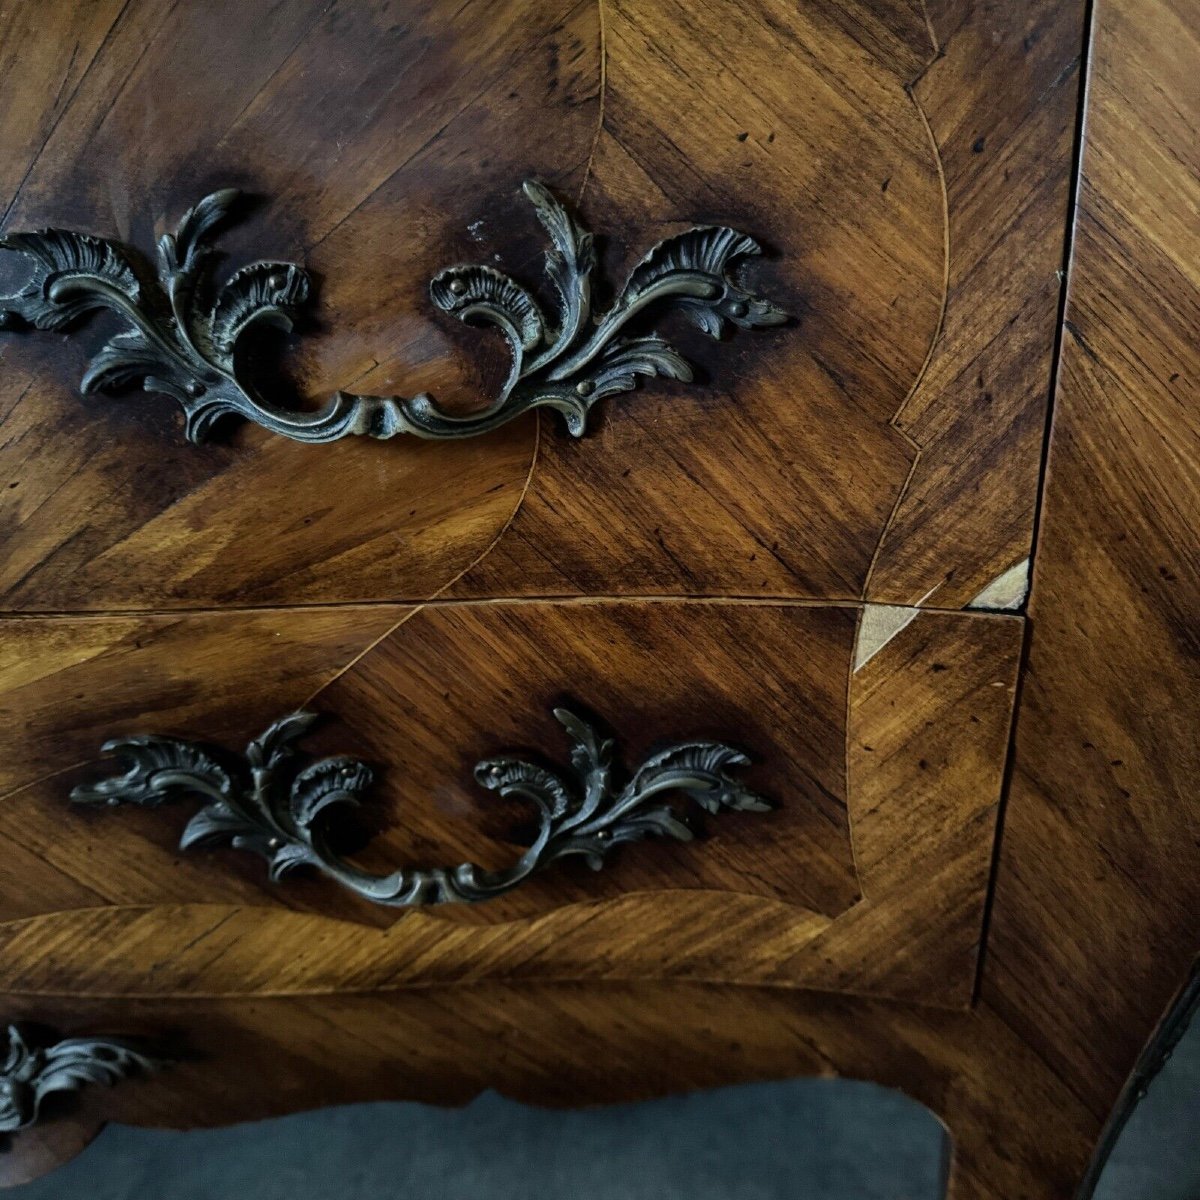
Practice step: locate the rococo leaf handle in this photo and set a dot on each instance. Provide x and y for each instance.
(270, 799)
(184, 333)
(32, 1067)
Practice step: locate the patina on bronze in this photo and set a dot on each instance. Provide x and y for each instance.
(269, 801)
(185, 333)
(32, 1067)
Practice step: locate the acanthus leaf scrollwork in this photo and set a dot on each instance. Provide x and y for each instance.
(184, 332)
(573, 363)
(268, 801)
(32, 1069)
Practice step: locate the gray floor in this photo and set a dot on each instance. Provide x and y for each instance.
(816, 1139)
(1158, 1155)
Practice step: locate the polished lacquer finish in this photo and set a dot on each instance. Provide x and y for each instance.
(795, 566)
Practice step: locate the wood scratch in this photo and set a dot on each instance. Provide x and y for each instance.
(587, 167)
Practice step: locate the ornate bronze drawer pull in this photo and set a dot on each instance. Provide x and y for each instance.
(184, 334)
(34, 1067)
(268, 801)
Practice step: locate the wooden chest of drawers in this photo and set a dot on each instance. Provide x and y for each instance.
(720, 553)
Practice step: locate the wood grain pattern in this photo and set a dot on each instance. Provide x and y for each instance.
(850, 174)
(1001, 99)
(811, 895)
(929, 718)
(1099, 882)
(1092, 919)
(32, 46)
(456, 684)
(773, 118)
(68, 684)
(103, 506)
(469, 683)
(904, 418)
(848, 165)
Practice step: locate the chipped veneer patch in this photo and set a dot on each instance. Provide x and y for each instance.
(878, 625)
(1007, 592)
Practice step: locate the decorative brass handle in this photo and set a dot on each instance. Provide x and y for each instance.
(184, 335)
(269, 800)
(34, 1067)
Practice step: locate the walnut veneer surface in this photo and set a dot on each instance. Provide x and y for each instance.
(979, 880)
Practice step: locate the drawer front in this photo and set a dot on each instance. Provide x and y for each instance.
(880, 752)
(884, 444)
